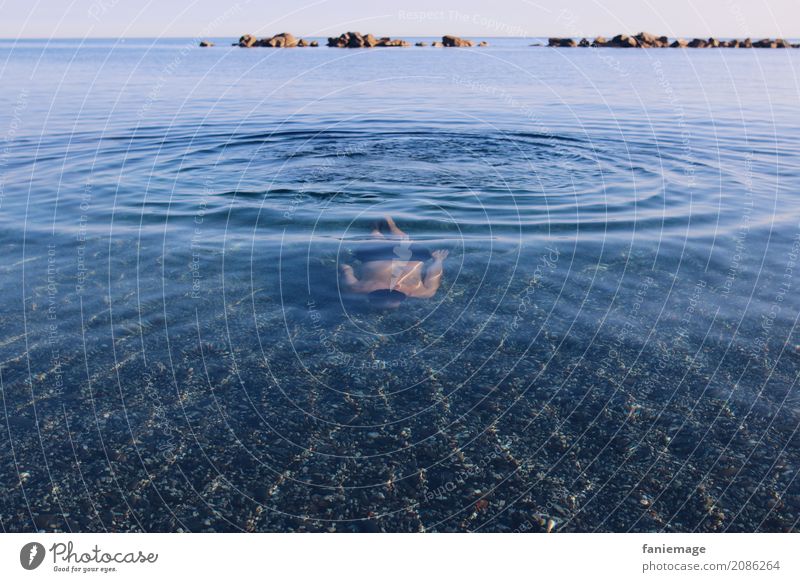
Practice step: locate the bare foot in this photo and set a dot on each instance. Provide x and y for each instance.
(393, 228)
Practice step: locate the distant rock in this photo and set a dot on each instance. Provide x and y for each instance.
(421, 44)
(782, 43)
(437, 44)
(765, 43)
(358, 40)
(651, 41)
(623, 41)
(313, 43)
(584, 42)
(206, 43)
(247, 41)
(680, 43)
(282, 40)
(747, 43)
(697, 43)
(450, 40)
(392, 42)
(647, 40)
(599, 41)
(712, 43)
(561, 42)
(344, 40)
(483, 43)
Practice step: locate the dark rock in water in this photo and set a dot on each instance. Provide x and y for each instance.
(450, 40)
(437, 44)
(680, 43)
(206, 43)
(599, 41)
(584, 42)
(341, 41)
(782, 43)
(247, 41)
(483, 43)
(697, 43)
(647, 40)
(747, 43)
(561, 42)
(765, 43)
(712, 42)
(421, 44)
(302, 43)
(536, 44)
(357, 40)
(314, 43)
(623, 41)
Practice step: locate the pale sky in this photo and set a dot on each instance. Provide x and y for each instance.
(218, 18)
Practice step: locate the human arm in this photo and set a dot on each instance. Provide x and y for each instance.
(433, 274)
(348, 277)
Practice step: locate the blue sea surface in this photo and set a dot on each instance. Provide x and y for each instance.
(613, 348)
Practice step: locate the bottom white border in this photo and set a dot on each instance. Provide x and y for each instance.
(389, 557)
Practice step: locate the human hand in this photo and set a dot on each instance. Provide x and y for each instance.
(440, 255)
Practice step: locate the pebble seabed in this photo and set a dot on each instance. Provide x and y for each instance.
(318, 428)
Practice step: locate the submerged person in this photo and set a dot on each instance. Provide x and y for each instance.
(393, 268)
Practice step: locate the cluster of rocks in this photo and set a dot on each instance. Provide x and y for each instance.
(344, 40)
(454, 41)
(647, 40)
(358, 40)
(282, 40)
(449, 40)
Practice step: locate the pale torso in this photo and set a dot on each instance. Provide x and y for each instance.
(403, 276)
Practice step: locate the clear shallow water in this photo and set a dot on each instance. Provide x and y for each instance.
(613, 346)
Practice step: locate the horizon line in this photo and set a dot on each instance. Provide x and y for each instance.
(592, 36)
